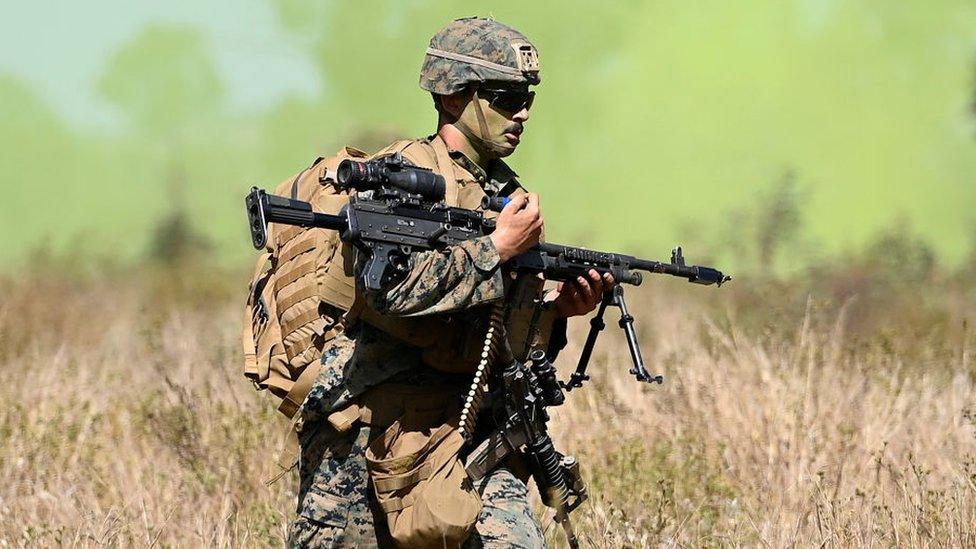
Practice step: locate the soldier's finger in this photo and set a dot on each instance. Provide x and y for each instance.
(597, 282)
(515, 204)
(585, 290)
(533, 203)
(608, 280)
(529, 214)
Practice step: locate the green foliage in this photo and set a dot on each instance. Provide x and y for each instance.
(768, 231)
(164, 78)
(667, 115)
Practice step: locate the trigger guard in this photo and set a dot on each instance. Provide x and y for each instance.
(400, 259)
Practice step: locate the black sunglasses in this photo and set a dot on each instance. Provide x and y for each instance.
(508, 100)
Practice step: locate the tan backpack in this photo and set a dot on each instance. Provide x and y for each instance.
(303, 295)
(300, 291)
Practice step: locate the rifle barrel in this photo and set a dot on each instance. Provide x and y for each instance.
(693, 273)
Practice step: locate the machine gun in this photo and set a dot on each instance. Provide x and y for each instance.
(399, 210)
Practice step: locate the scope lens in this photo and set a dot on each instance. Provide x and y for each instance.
(349, 173)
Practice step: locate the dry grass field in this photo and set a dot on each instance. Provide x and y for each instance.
(833, 411)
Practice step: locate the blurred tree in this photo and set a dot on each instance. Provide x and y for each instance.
(901, 255)
(175, 239)
(767, 233)
(779, 219)
(163, 78)
(369, 54)
(167, 82)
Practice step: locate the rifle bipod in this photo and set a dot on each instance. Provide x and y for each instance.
(614, 297)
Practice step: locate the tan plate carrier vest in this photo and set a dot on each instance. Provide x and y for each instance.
(303, 292)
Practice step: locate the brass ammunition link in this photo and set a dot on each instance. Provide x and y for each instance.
(479, 385)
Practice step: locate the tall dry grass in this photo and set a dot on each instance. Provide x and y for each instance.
(839, 413)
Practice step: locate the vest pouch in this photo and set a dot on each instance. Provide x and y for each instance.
(421, 484)
(458, 349)
(265, 357)
(294, 310)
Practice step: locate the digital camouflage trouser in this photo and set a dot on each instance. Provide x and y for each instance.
(335, 508)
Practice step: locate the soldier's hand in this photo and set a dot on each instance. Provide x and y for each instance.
(580, 296)
(518, 227)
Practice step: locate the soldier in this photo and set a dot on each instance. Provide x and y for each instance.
(420, 330)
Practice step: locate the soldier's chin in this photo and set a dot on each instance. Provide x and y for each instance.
(506, 147)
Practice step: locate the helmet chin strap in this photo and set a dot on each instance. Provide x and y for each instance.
(481, 139)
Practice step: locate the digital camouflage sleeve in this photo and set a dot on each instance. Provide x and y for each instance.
(444, 281)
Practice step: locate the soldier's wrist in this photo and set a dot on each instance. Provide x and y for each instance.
(504, 252)
(483, 253)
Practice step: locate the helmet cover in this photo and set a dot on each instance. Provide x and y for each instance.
(474, 50)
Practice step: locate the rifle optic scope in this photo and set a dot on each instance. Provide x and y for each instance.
(391, 171)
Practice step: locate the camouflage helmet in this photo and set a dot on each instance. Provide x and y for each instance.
(475, 50)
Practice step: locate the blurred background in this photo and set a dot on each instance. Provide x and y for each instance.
(823, 151)
(132, 130)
